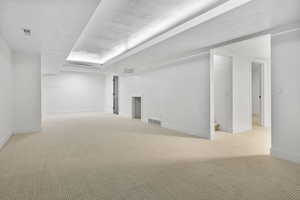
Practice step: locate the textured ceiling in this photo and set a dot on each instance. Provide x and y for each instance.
(120, 24)
(254, 17)
(117, 26)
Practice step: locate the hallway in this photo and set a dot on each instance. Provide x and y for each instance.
(101, 156)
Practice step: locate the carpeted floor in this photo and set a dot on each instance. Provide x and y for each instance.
(103, 157)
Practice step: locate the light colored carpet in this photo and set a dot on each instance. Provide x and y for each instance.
(89, 157)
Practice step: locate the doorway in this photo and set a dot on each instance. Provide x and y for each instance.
(137, 107)
(240, 87)
(116, 95)
(257, 93)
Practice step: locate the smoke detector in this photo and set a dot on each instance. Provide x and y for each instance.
(27, 31)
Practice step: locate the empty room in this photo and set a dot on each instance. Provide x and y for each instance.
(152, 100)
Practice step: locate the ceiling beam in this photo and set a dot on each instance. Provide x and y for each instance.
(219, 10)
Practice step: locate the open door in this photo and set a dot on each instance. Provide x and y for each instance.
(116, 95)
(257, 93)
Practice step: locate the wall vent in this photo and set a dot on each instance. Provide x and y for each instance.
(27, 31)
(154, 121)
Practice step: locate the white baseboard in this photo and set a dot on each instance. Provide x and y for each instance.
(242, 130)
(72, 112)
(187, 131)
(108, 110)
(174, 127)
(124, 115)
(18, 131)
(285, 155)
(4, 140)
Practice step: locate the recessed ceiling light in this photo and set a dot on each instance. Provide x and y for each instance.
(27, 31)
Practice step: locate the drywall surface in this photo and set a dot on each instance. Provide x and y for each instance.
(223, 88)
(108, 93)
(6, 94)
(178, 95)
(71, 92)
(242, 114)
(267, 97)
(27, 116)
(286, 96)
(244, 54)
(241, 81)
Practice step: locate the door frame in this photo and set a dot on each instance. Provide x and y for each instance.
(265, 107)
(116, 95)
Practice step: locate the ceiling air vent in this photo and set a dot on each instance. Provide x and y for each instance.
(82, 64)
(78, 66)
(128, 71)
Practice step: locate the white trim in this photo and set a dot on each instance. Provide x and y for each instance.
(235, 114)
(285, 155)
(145, 120)
(174, 127)
(250, 95)
(125, 115)
(215, 12)
(212, 96)
(185, 130)
(4, 140)
(172, 62)
(26, 131)
(108, 109)
(285, 32)
(72, 112)
(266, 91)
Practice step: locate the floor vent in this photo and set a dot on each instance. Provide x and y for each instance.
(154, 121)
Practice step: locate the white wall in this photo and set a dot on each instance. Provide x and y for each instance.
(27, 113)
(179, 96)
(108, 107)
(71, 92)
(223, 88)
(243, 54)
(6, 94)
(286, 96)
(242, 100)
(267, 98)
(241, 92)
